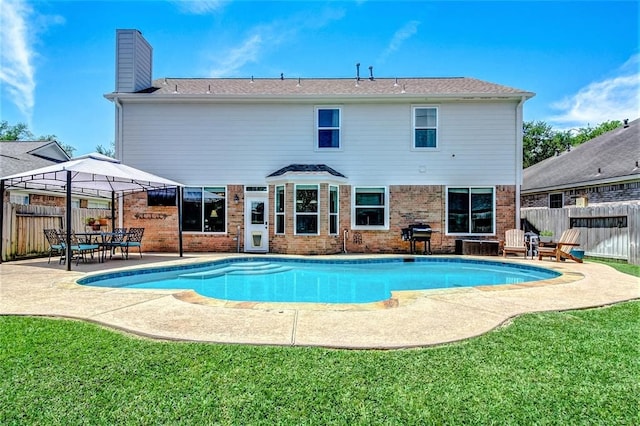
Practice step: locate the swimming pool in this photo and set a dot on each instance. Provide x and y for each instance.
(266, 279)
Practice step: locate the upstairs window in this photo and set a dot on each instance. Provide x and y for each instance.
(425, 127)
(328, 128)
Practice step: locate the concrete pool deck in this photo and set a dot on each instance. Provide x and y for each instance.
(411, 319)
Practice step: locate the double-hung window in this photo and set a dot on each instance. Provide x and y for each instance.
(204, 209)
(370, 205)
(471, 210)
(279, 210)
(328, 128)
(333, 210)
(425, 127)
(556, 200)
(306, 211)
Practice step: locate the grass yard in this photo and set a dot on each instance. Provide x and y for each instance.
(577, 367)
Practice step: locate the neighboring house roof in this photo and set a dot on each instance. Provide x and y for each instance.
(386, 87)
(610, 157)
(21, 156)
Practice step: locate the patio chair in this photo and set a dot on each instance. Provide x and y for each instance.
(79, 248)
(56, 245)
(514, 242)
(113, 241)
(568, 240)
(133, 239)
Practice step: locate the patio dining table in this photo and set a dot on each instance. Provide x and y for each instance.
(102, 239)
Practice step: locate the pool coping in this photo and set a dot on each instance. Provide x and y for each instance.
(417, 318)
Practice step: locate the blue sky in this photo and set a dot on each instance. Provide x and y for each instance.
(581, 58)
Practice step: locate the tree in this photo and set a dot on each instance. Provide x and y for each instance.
(14, 133)
(20, 132)
(109, 152)
(540, 141)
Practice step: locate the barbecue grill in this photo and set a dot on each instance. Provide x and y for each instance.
(418, 232)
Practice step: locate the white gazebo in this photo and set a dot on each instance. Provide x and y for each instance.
(93, 175)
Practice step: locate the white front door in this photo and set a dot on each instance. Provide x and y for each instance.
(256, 225)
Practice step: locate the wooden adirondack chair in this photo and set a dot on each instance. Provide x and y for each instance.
(514, 242)
(568, 240)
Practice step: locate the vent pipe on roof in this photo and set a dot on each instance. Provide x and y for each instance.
(371, 72)
(358, 71)
(626, 123)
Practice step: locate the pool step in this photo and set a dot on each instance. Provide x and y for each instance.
(245, 268)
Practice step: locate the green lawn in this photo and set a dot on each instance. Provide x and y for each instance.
(578, 367)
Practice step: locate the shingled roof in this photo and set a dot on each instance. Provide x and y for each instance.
(449, 86)
(610, 157)
(20, 156)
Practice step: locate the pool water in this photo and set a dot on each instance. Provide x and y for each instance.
(337, 281)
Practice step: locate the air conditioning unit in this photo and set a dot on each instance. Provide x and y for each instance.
(582, 202)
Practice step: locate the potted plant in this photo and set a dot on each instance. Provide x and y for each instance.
(103, 221)
(90, 221)
(545, 236)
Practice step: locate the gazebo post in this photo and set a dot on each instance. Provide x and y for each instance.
(113, 211)
(180, 218)
(1, 218)
(68, 236)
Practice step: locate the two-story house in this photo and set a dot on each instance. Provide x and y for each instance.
(316, 165)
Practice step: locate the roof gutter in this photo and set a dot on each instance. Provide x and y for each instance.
(519, 154)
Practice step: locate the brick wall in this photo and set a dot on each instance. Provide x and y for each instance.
(47, 200)
(619, 192)
(408, 204)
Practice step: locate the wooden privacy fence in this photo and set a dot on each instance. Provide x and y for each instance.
(607, 231)
(22, 232)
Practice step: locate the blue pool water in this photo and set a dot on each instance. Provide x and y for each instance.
(264, 279)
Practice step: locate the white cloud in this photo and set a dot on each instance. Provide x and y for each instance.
(20, 26)
(407, 31)
(17, 73)
(238, 56)
(615, 98)
(199, 7)
(267, 37)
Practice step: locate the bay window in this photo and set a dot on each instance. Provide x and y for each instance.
(306, 210)
(333, 210)
(279, 209)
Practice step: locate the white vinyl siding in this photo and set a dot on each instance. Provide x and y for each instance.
(245, 142)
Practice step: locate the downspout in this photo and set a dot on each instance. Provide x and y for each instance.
(519, 156)
(118, 154)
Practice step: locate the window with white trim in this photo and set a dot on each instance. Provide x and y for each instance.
(306, 211)
(425, 127)
(204, 209)
(471, 210)
(333, 210)
(370, 207)
(279, 209)
(328, 128)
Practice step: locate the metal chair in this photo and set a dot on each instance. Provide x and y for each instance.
(56, 245)
(116, 238)
(133, 239)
